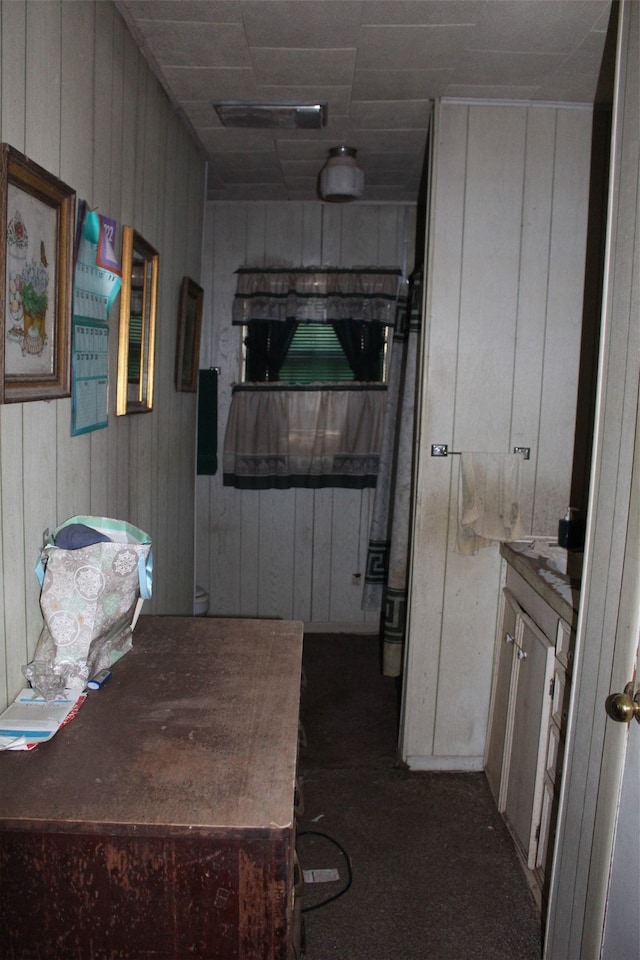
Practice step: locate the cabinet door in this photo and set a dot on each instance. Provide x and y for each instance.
(495, 759)
(531, 685)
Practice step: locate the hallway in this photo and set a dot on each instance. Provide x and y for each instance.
(434, 872)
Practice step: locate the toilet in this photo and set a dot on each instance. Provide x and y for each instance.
(201, 602)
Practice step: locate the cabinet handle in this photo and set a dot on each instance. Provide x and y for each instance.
(509, 639)
(522, 654)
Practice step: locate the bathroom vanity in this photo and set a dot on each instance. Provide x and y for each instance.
(159, 823)
(532, 676)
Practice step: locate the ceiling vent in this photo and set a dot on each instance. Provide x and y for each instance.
(341, 179)
(282, 115)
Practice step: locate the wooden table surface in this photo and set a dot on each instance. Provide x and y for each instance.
(196, 730)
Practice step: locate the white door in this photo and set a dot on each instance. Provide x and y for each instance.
(622, 922)
(609, 621)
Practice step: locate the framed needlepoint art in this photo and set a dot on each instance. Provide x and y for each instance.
(37, 214)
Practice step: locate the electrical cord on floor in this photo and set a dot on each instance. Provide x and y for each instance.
(340, 893)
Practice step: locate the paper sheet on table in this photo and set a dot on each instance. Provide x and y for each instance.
(31, 719)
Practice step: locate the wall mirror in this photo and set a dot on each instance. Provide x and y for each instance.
(136, 340)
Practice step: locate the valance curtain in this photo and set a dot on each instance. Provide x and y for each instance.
(359, 303)
(386, 576)
(316, 294)
(281, 437)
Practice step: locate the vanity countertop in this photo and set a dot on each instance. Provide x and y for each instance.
(538, 566)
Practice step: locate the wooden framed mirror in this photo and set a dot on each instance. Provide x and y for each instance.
(137, 336)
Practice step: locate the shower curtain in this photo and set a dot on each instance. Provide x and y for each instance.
(388, 551)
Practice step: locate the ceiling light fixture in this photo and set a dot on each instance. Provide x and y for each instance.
(282, 114)
(341, 179)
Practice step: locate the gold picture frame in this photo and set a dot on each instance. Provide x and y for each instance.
(37, 212)
(188, 343)
(137, 334)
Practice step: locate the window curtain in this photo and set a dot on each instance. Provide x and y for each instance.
(386, 575)
(316, 294)
(358, 302)
(362, 344)
(281, 437)
(267, 344)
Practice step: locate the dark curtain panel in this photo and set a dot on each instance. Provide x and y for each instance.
(362, 344)
(267, 343)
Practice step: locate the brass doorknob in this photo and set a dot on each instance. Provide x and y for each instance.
(623, 707)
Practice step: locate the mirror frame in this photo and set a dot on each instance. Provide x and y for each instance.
(134, 244)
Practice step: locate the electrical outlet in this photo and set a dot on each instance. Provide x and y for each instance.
(355, 579)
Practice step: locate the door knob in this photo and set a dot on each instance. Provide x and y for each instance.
(624, 706)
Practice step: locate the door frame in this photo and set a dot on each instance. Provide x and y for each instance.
(607, 630)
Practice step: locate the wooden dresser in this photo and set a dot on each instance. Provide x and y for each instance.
(159, 824)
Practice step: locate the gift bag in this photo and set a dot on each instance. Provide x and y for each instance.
(95, 573)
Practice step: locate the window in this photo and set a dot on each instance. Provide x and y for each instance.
(311, 410)
(315, 354)
(316, 324)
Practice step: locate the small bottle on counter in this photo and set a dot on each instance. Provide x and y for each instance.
(571, 530)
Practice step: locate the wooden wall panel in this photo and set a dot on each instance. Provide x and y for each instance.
(564, 318)
(532, 298)
(78, 97)
(508, 230)
(285, 553)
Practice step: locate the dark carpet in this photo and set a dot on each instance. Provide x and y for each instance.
(426, 867)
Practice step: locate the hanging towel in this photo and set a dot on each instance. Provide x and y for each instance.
(488, 499)
(207, 449)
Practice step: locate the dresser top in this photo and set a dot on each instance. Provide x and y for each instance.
(195, 732)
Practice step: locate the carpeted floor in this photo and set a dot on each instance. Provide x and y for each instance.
(432, 870)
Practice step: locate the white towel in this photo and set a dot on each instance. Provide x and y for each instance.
(488, 499)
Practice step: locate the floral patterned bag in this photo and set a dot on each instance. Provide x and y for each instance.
(92, 591)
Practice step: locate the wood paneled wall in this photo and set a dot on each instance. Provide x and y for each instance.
(506, 272)
(78, 97)
(285, 553)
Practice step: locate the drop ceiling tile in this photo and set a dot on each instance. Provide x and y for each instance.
(305, 50)
(389, 114)
(568, 86)
(201, 114)
(400, 84)
(304, 150)
(244, 168)
(313, 66)
(587, 58)
(314, 24)
(388, 164)
(201, 11)
(389, 141)
(237, 140)
(204, 83)
(411, 47)
(256, 192)
(198, 45)
(299, 169)
(536, 27)
(507, 69)
(424, 12)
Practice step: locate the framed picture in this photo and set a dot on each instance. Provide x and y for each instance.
(138, 316)
(188, 347)
(36, 273)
